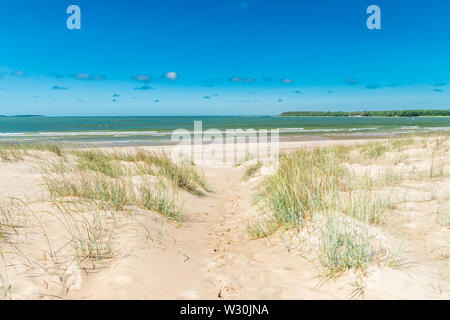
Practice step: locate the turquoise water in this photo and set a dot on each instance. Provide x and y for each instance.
(157, 130)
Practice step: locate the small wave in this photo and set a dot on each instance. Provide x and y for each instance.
(438, 128)
(291, 130)
(82, 133)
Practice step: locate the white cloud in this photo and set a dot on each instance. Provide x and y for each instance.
(81, 76)
(142, 78)
(171, 75)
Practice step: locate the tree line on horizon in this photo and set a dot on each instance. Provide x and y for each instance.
(387, 113)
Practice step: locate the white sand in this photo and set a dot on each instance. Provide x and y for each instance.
(209, 256)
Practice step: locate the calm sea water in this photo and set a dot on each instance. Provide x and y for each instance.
(157, 130)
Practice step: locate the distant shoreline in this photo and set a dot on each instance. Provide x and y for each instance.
(23, 116)
(306, 114)
(283, 116)
(366, 114)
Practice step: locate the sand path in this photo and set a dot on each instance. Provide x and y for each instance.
(238, 267)
(208, 257)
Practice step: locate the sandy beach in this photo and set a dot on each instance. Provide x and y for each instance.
(197, 242)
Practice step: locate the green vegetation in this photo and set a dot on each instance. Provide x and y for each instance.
(114, 194)
(98, 161)
(251, 170)
(10, 219)
(318, 189)
(305, 183)
(262, 229)
(16, 152)
(388, 113)
(121, 180)
(89, 238)
(343, 247)
(109, 193)
(374, 150)
(147, 163)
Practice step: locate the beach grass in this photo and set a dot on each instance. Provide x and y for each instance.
(88, 236)
(374, 150)
(320, 183)
(262, 229)
(251, 170)
(114, 194)
(159, 199)
(105, 179)
(303, 184)
(109, 193)
(182, 176)
(16, 152)
(343, 246)
(11, 213)
(98, 161)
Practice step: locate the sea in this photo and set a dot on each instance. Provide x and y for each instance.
(135, 131)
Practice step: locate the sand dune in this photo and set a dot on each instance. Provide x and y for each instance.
(209, 255)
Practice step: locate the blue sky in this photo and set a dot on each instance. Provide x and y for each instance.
(204, 57)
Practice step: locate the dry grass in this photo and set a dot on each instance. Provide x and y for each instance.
(106, 180)
(251, 170)
(145, 163)
(87, 235)
(305, 183)
(114, 194)
(16, 152)
(89, 189)
(343, 247)
(11, 219)
(321, 182)
(262, 229)
(98, 161)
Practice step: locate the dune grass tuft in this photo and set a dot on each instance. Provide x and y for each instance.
(16, 152)
(343, 247)
(183, 176)
(99, 162)
(100, 178)
(146, 163)
(159, 199)
(303, 184)
(262, 229)
(114, 193)
(317, 182)
(374, 150)
(10, 218)
(88, 237)
(251, 170)
(108, 193)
